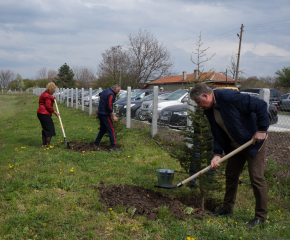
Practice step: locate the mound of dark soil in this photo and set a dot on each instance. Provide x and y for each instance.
(146, 201)
(88, 147)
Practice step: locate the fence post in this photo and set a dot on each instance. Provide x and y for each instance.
(67, 95)
(72, 98)
(90, 102)
(265, 95)
(77, 98)
(155, 111)
(128, 110)
(189, 122)
(83, 105)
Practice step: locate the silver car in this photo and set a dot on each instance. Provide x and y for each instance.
(177, 97)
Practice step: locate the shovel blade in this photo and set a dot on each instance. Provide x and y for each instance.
(167, 186)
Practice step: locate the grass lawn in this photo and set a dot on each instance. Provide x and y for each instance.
(44, 192)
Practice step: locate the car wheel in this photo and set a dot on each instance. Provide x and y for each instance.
(139, 116)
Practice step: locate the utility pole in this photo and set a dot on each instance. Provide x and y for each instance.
(238, 61)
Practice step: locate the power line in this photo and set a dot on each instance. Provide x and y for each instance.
(266, 56)
(268, 23)
(266, 27)
(205, 41)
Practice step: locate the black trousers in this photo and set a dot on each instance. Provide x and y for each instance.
(47, 124)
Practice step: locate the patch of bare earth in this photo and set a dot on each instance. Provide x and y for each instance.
(146, 201)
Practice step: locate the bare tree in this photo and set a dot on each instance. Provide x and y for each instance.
(150, 60)
(41, 73)
(51, 74)
(84, 76)
(115, 67)
(6, 76)
(233, 66)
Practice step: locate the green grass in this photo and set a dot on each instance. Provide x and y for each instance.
(45, 193)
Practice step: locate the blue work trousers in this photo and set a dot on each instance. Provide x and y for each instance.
(106, 124)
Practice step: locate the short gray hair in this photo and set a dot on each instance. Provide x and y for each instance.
(116, 86)
(199, 89)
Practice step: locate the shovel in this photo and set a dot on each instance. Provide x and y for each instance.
(168, 186)
(66, 142)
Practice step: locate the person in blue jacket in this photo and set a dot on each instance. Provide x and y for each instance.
(235, 119)
(106, 114)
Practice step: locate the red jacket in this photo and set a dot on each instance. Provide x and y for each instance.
(46, 104)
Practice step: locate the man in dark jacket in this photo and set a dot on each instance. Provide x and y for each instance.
(235, 119)
(105, 112)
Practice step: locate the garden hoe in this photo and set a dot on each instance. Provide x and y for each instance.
(66, 142)
(169, 186)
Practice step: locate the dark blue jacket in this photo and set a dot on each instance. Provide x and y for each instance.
(107, 98)
(243, 116)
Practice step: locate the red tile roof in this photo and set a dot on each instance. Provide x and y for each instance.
(213, 77)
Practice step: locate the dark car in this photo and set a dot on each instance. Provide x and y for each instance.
(285, 102)
(121, 108)
(176, 116)
(275, 96)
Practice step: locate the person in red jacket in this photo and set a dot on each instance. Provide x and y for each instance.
(44, 112)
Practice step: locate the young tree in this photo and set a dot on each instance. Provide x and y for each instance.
(198, 150)
(200, 55)
(149, 59)
(19, 84)
(65, 77)
(284, 77)
(6, 76)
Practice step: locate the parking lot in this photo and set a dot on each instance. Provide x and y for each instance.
(283, 124)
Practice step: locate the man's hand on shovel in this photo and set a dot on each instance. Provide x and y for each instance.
(214, 163)
(258, 137)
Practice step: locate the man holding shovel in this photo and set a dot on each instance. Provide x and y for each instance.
(105, 112)
(236, 118)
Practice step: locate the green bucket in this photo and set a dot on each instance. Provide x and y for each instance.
(165, 176)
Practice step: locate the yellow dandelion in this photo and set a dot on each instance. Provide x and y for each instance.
(84, 151)
(110, 209)
(279, 211)
(208, 221)
(188, 234)
(71, 170)
(236, 223)
(23, 147)
(128, 156)
(59, 161)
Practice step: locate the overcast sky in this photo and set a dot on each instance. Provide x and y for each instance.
(48, 33)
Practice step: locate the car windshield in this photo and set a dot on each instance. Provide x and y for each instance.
(135, 94)
(274, 93)
(176, 95)
(285, 96)
(251, 90)
(163, 96)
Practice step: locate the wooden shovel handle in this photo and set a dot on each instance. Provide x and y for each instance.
(247, 144)
(59, 119)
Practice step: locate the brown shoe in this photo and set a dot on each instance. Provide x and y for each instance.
(96, 148)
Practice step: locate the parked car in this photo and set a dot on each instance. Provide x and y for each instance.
(275, 96)
(138, 95)
(177, 97)
(285, 106)
(121, 108)
(176, 116)
(95, 96)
